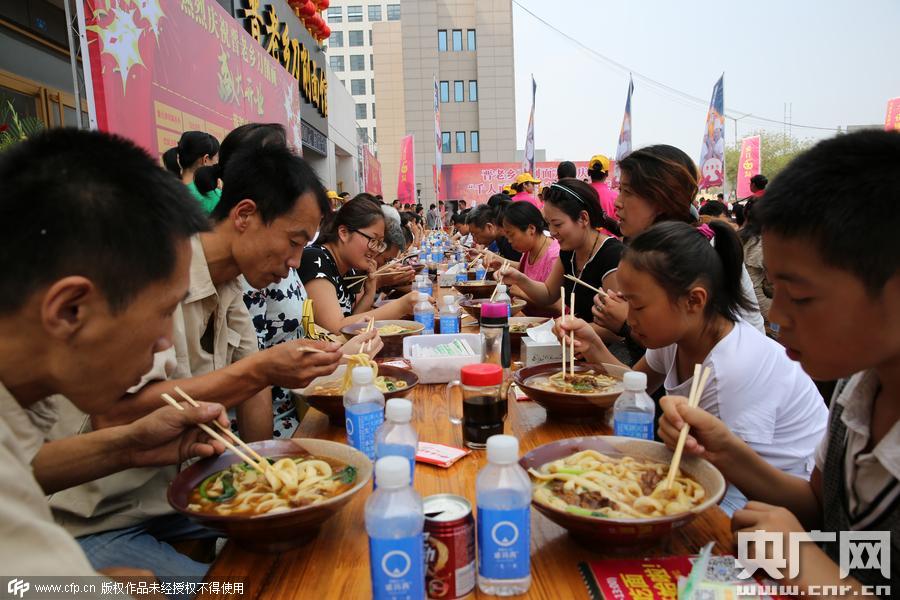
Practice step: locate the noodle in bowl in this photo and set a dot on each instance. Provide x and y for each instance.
(613, 488)
(292, 516)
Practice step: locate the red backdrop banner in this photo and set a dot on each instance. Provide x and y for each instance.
(475, 183)
(372, 169)
(161, 67)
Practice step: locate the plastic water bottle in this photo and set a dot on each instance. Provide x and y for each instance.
(503, 298)
(394, 521)
(503, 498)
(634, 411)
(423, 313)
(364, 411)
(424, 285)
(479, 270)
(450, 321)
(438, 253)
(397, 436)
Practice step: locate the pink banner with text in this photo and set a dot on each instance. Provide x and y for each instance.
(748, 166)
(892, 118)
(406, 179)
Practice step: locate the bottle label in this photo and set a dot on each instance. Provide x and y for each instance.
(398, 568)
(633, 426)
(361, 427)
(504, 538)
(426, 319)
(461, 277)
(450, 324)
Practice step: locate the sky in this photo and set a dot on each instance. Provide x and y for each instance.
(834, 62)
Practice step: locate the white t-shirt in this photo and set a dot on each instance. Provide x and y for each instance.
(764, 397)
(752, 316)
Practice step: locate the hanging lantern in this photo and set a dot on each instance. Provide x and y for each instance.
(307, 9)
(324, 33)
(323, 4)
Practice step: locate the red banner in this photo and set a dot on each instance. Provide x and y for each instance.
(892, 118)
(748, 166)
(406, 180)
(372, 172)
(476, 183)
(162, 67)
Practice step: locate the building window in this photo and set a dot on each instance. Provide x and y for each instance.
(357, 62)
(337, 63)
(336, 40)
(375, 12)
(374, 130)
(460, 141)
(445, 142)
(335, 14)
(458, 91)
(473, 90)
(358, 87)
(355, 38)
(471, 47)
(372, 83)
(354, 14)
(373, 110)
(393, 12)
(457, 40)
(372, 62)
(371, 43)
(442, 40)
(361, 112)
(473, 142)
(445, 92)
(362, 135)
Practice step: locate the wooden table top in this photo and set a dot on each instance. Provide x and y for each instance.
(336, 563)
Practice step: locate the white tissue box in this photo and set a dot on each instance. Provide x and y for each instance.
(440, 369)
(540, 353)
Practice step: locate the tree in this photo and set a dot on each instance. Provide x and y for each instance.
(776, 150)
(14, 128)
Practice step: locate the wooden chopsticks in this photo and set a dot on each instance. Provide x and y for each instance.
(212, 433)
(587, 285)
(562, 340)
(366, 345)
(572, 335)
(697, 385)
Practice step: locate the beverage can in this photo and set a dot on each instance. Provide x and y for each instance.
(449, 547)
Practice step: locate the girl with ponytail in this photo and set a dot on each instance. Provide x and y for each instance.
(194, 151)
(684, 294)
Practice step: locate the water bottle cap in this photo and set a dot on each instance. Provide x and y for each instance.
(501, 288)
(481, 374)
(423, 297)
(635, 381)
(398, 410)
(392, 472)
(362, 375)
(448, 300)
(502, 449)
(494, 310)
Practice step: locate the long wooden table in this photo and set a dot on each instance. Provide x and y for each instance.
(336, 564)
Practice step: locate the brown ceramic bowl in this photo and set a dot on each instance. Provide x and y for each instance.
(563, 406)
(393, 343)
(333, 405)
(473, 306)
(489, 276)
(515, 337)
(590, 530)
(281, 531)
(478, 289)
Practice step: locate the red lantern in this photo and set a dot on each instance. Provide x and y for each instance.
(307, 9)
(316, 23)
(325, 32)
(323, 4)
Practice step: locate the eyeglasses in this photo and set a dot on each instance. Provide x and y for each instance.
(375, 244)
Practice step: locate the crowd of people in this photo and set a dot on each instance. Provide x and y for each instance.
(124, 280)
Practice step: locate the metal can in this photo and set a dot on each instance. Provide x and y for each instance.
(449, 547)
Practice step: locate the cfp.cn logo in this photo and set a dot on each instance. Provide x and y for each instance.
(17, 587)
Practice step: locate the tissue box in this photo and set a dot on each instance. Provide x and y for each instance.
(540, 353)
(440, 369)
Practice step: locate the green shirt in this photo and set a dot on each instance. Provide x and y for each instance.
(208, 200)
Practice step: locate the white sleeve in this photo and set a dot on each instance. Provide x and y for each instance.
(752, 315)
(657, 359)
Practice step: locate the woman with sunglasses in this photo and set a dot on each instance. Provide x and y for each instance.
(572, 210)
(352, 239)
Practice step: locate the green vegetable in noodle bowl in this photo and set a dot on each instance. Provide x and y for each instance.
(287, 483)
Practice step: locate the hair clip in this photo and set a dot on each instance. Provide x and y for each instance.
(706, 231)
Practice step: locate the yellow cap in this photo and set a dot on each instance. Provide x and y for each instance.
(603, 161)
(332, 195)
(508, 189)
(525, 178)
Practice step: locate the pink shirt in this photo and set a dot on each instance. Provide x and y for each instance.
(541, 268)
(526, 197)
(607, 198)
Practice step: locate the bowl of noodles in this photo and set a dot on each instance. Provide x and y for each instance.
(281, 504)
(614, 488)
(391, 331)
(326, 394)
(584, 395)
(473, 306)
(477, 289)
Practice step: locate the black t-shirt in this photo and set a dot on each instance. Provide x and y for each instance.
(318, 263)
(605, 261)
(505, 249)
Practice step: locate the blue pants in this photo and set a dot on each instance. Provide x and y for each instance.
(146, 546)
(733, 500)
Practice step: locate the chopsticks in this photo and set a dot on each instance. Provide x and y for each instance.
(572, 334)
(365, 346)
(697, 385)
(562, 340)
(211, 433)
(496, 287)
(302, 349)
(587, 285)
